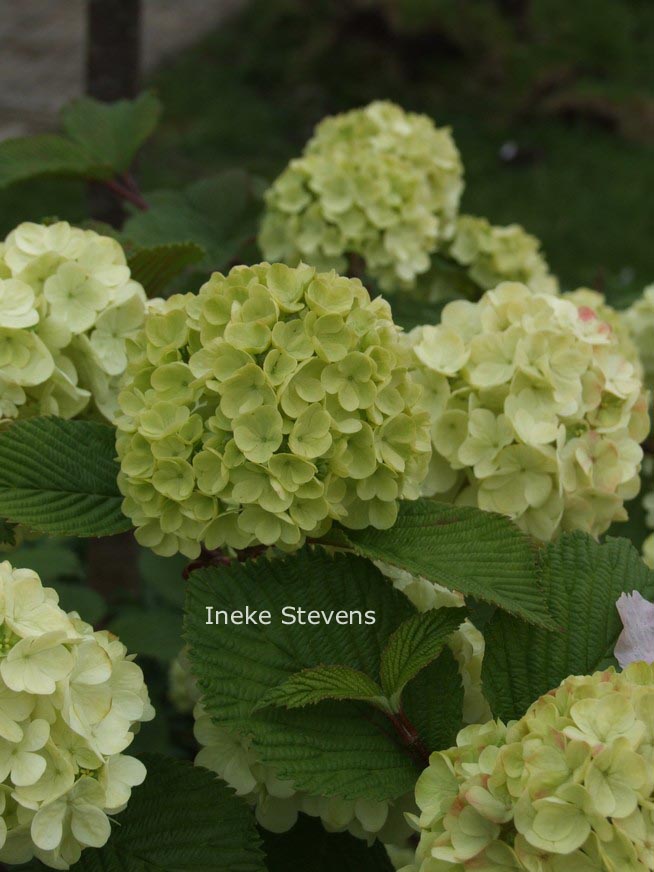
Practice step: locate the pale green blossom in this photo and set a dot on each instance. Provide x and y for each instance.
(67, 309)
(537, 408)
(69, 702)
(377, 183)
(266, 407)
(567, 788)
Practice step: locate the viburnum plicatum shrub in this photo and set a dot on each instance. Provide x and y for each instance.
(260, 410)
(567, 787)
(67, 306)
(70, 699)
(377, 182)
(536, 413)
(488, 254)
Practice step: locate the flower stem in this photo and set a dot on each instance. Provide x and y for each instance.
(410, 738)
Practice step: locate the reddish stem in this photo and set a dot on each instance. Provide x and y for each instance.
(126, 189)
(410, 738)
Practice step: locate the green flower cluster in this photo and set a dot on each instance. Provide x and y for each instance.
(494, 254)
(71, 700)
(67, 307)
(639, 320)
(567, 788)
(536, 413)
(261, 410)
(596, 302)
(377, 182)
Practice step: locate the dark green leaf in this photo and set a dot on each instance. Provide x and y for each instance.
(59, 477)
(323, 682)
(434, 700)
(414, 645)
(111, 133)
(477, 553)
(155, 267)
(182, 819)
(7, 533)
(220, 214)
(149, 632)
(582, 581)
(332, 748)
(47, 154)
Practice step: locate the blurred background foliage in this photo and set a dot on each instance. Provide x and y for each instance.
(551, 104)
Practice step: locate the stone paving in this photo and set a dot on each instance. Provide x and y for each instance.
(42, 51)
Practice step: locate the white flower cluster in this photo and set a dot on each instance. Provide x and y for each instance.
(67, 307)
(69, 700)
(379, 183)
(536, 412)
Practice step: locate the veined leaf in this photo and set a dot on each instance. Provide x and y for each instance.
(155, 267)
(182, 818)
(59, 477)
(324, 682)
(332, 748)
(47, 154)
(111, 133)
(465, 549)
(415, 644)
(582, 581)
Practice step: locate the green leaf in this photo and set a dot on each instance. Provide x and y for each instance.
(111, 133)
(7, 533)
(149, 632)
(181, 819)
(155, 267)
(414, 645)
(332, 748)
(47, 154)
(435, 700)
(59, 477)
(308, 846)
(220, 214)
(324, 682)
(477, 553)
(582, 581)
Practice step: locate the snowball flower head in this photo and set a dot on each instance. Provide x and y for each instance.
(639, 320)
(69, 701)
(272, 403)
(67, 307)
(567, 787)
(377, 182)
(494, 254)
(536, 412)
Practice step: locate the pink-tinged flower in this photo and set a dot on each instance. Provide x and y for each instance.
(636, 641)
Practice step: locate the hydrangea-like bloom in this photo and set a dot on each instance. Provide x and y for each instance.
(591, 299)
(567, 787)
(495, 254)
(536, 413)
(67, 307)
(377, 182)
(639, 320)
(259, 411)
(69, 700)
